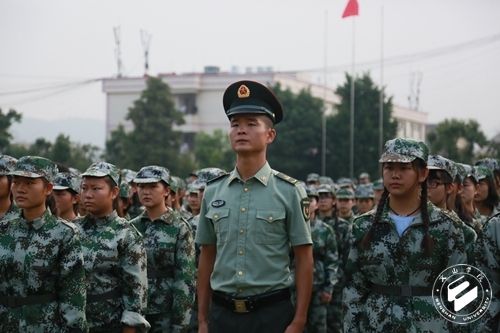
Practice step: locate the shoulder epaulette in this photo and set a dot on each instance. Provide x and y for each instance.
(71, 225)
(287, 178)
(213, 180)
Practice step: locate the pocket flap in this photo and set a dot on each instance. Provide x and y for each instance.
(217, 214)
(271, 215)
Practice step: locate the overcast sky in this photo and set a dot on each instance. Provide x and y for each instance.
(47, 44)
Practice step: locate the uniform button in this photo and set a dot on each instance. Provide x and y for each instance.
(216, 216)
(240, 273)
(241, 252)
(240, 290)
(241, 231)
(270, 218)
(243, 209)
(245, 189)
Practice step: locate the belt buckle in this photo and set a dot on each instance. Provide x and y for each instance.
(240, 306)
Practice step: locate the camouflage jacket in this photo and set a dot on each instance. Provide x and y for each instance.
(10, 214)
(115, 265)
(393, 261)
(487, 259)
(470, 235)
(171, 272)
(326, 259)
(41, 257)
(342, 230)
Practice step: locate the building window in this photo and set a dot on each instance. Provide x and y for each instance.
(187, 103)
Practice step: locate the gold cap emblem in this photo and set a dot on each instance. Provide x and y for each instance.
(243, 91)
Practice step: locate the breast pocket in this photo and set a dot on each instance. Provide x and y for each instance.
(220, 219)
(270, 226)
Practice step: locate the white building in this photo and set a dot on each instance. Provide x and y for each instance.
(199, 96)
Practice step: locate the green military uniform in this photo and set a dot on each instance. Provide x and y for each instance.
(171, 272)
(42, 281)
(326, 262)
(487, 255)
(256, 224)
(115, 266)
(7, 164)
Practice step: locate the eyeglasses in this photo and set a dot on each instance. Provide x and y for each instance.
(434, 183)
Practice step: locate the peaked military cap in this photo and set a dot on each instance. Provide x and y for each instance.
(438, 162)
(35, 167)
(404, 151)
(67, 181)
(345, 193)
(152, 174)
(7, 164)
(246, 96)
(364, 191)
(103, 169)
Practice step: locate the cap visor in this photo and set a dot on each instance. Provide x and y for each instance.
(57, 187)
(146, 180)
(26, 174)
(396, 158)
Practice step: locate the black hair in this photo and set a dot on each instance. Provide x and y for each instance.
(440, 175)
(492, 199)
(427, 241)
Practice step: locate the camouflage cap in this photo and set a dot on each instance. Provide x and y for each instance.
(174, 184)
(312, 177)
(152, 174)
(378, 185)
(404, 151)
(345, 193)
(326, 180)
(207, 174)
(124, 190)
(103, 169)
(35, 167)
(127, 175)
(490, 163)
(345, 182)
(364, 191)
(438, 162)
(312, 191)
(482, 172)
(466, 171)
(363, 175)
(7, 164)
(67, 181)
(325, 188)
(196, 186)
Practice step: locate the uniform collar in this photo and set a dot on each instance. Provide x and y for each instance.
(103, 220)
(166, 217)
(262, 175)
(38, 222)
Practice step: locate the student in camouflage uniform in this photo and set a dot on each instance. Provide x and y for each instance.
(67, 195)
(115, 258)
(124, 201)
(8, 209)
(466, 209)
(170, 248)
(398, 251)
(42, 281)
(365, 198)
(325, 268)
(345, 202)
(135, 208)
(486, 199)
(494, 166)
(487, 253)
(378, 189)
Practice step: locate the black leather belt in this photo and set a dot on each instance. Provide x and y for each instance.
(249, 303)
(16, 301)
(153, 273)
(115, 293)
(405, 291)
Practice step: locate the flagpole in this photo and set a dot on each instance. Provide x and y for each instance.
(351, 164)
(323, 118)
(381, 106)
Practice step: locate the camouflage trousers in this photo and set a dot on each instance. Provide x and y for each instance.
(334, 317)
(316, 316)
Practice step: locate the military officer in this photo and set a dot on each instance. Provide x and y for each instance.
(115, 257)
(170, 247)
(42, 280)
(249, 219)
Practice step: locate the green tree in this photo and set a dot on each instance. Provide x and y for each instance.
(457, 139)
(61, 150)
(153, 139)
(366, 128)
(296, 150)
(6, 120)
(213, 150)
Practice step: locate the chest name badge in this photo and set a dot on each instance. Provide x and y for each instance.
(218, 203)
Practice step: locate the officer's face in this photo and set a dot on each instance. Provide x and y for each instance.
(402, 179)
(250, 133)
(152, 195)
(97, 196)
(30, 192)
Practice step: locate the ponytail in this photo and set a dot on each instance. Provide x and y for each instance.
(365, 242)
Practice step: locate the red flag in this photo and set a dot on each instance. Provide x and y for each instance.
(351, 9)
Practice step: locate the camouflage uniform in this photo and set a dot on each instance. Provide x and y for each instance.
(7, 164)
(115, 265)
(325, 276)
(487, 255)
(42, 281)
(483, 172)
(171, 273)
(346, 193)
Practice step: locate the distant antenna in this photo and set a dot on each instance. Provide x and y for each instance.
(145, 40)
(414, 97)
(118, 51)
